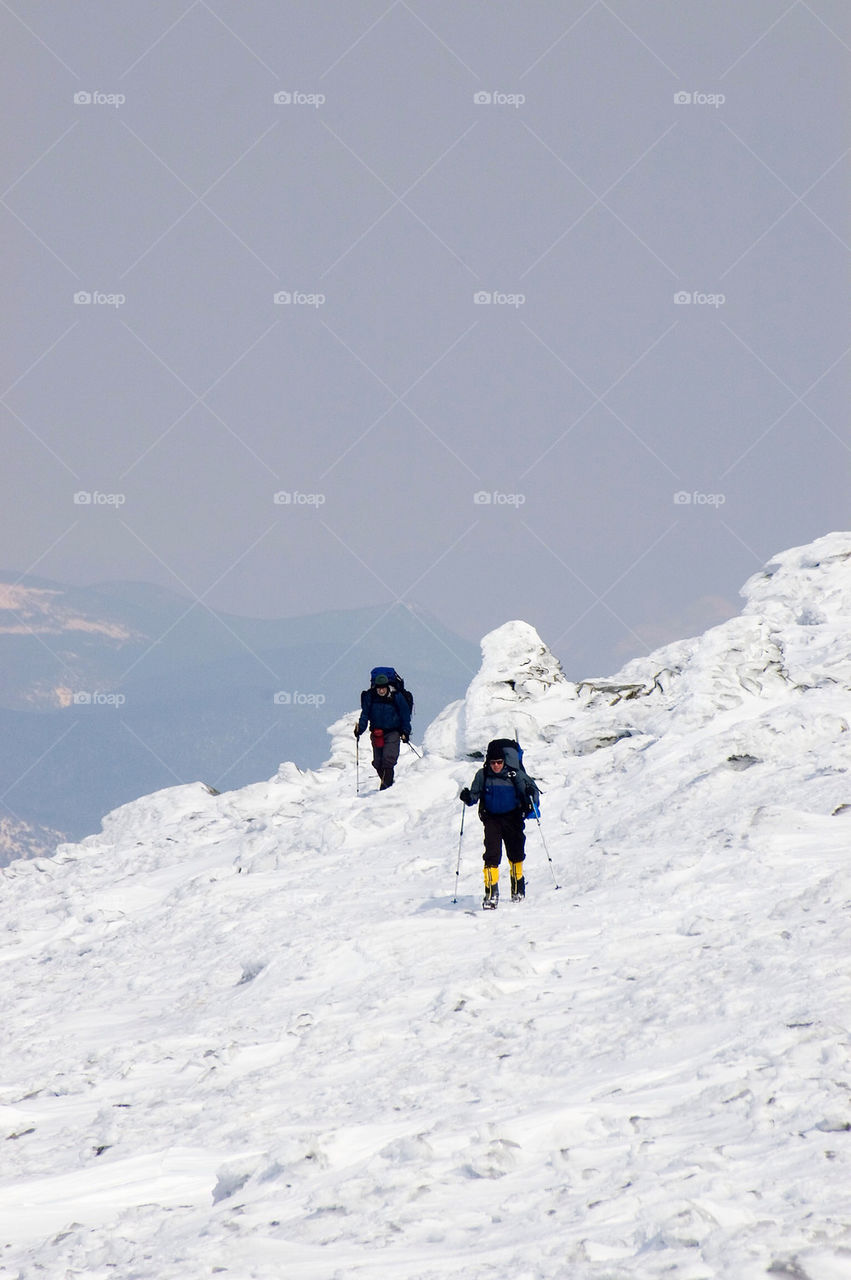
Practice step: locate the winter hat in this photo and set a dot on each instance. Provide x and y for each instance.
(381, 679)
(494, 753)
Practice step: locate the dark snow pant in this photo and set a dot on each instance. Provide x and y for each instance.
(384, 758)
(504, 829)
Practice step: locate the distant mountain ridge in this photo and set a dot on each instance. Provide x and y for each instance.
(111, 691)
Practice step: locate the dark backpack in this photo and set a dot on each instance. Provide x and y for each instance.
(512, 754)
(514, 760)
(396, 683)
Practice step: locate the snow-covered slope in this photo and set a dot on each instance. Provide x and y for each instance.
(253, 1035)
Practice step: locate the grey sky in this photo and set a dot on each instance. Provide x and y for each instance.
(582, 185)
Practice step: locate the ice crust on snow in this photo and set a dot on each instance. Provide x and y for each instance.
(253, 1033)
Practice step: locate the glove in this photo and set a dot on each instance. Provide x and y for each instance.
(405, 737)
(465, 796)
(357, 731)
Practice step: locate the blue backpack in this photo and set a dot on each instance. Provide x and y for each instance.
(512, 753)
(396, 682)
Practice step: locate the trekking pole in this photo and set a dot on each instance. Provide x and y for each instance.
(460, 838)
(413, 748)
(357, 766)
(544, 843)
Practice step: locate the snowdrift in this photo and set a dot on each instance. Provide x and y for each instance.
(253, 1034)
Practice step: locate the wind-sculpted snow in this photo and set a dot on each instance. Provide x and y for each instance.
(252, 1035)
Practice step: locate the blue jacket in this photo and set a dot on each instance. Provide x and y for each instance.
(384, 713)
(505, 791)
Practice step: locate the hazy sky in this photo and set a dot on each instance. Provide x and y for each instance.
(578, 164)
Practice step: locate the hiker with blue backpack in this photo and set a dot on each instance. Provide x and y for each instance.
(386, 708)
(506, 795)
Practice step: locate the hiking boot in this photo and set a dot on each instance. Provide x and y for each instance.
(386, 779)
(518, 882)
(490, 901)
